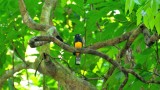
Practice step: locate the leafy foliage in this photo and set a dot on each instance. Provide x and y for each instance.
(95, 20)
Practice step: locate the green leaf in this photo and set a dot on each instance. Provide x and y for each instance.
(93, 1)
(152, 23)
(120, 17)
(139, 15)
(151, 19)
(20, 49)
(154, 6)
(146, 21)
(154, 86)
(157, 23)
(3, 58)
(11, 35)
(78, 10)
(129, 5)
(78, 27)
(58, 13)
(137, 2)
(147, 51)
(80, 3)
(93, 17)
(63, 3)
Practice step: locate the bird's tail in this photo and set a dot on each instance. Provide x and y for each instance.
(78, 62)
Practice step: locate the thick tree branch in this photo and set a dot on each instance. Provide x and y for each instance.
(28, 20)
(36, 26)
(153, 39)
(46, 10)
(149, 39)
(45, 19)
(111, 42)
(65, 77)
(72, 49)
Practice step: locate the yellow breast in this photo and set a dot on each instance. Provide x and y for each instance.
(78, 45)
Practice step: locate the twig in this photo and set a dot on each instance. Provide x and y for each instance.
(27, 75)
(141, 78)
(107, 75)
(64, 60)
(44, 82)
(9, 73)
(38, 67)
(18, 54)
(124, 82)
(13, 65)
(148, 71)
(131, 39)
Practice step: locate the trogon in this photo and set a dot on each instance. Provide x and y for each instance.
(77, 44)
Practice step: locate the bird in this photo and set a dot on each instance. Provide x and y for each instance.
(77, 44)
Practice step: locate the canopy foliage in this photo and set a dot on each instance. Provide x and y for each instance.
(96, 21)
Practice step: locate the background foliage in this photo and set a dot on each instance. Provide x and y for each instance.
(95, 20)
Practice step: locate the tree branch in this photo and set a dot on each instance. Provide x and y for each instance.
(141, 78)
(46, 10)
(149, 39)
(124, 82)
(107, 75)
(36, 26)
(72, 49)
(28, 20)
(9, 73)
(111, 42)
(133, 36)
(65, 77)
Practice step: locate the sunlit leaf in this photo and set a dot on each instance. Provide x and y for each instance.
(63, 3)
(157, 23)
(139, 15)
(129, 5)
(146, 21)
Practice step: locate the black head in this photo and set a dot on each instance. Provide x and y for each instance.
(78, 37)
